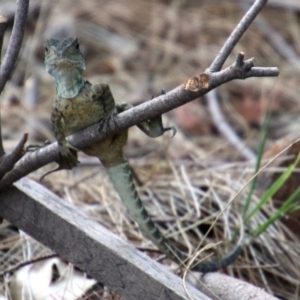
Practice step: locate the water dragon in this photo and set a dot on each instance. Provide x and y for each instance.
(79, 104)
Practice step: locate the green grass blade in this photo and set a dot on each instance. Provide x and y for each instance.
(287, 206)
(262, 143)
(273, 189)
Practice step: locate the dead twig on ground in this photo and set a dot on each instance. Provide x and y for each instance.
(224, 128)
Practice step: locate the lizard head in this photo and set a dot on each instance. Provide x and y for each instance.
(63, 54)
(65, 63)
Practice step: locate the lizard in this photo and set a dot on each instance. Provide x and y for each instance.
(79, 104)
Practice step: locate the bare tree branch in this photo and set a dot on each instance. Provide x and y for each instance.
(14, 42)
(3, 25)
(201, 84)
(288, 5)
(237, 34)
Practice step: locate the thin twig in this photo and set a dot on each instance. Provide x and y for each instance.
(225, 129)
(236, 35)
(279, 44)
(14, 42)
(288, 5)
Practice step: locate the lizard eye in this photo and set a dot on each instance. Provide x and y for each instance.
(46, 49)
(77, 46)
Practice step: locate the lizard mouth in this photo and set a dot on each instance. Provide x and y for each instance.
(65, 64)
(68, 63)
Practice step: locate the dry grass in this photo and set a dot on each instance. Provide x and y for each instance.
(139, 47)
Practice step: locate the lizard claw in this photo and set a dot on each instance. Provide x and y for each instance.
(170, 128)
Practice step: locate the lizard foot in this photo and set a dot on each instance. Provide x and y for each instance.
(67, 159)
(67, 156)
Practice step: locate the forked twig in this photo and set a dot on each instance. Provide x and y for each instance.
(237, 34)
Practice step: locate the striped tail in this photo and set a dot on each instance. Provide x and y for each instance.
(122, 180)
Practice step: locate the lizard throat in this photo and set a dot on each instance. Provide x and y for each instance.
(69, 86)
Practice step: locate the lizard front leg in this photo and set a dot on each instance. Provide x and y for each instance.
(67, 153)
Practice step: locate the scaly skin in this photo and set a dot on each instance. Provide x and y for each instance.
(79, 104)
